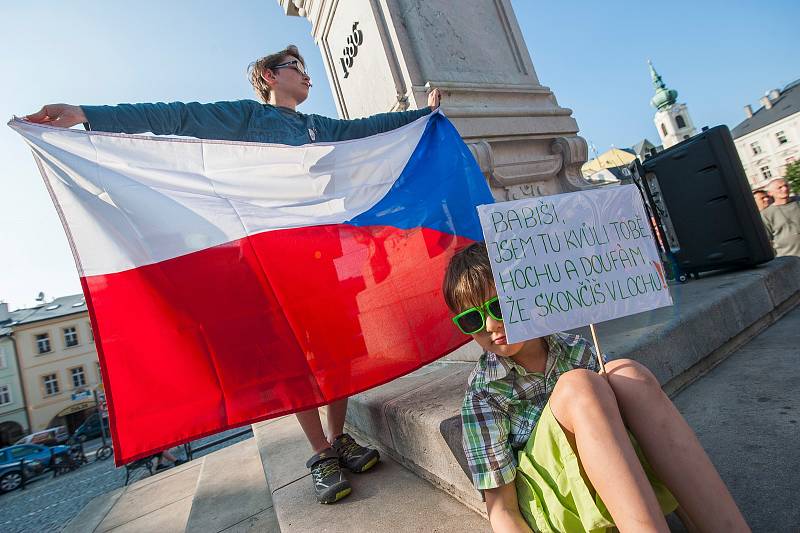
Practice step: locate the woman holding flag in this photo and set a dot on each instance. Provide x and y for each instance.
(282, 83)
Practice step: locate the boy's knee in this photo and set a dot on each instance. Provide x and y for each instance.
(622, 372)
(578, 384)
(579, 392)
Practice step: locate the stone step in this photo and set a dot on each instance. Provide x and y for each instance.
(157, 503)
(232, 493)
(416, 418)
(223, 491)
(387, 498)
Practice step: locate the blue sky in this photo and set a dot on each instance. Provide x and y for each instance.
(718, 55)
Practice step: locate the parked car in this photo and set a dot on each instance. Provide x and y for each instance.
(90, 429)
(48, 437)
(37, 459)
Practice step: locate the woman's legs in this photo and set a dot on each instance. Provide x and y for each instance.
(672, 448)
(585, 406)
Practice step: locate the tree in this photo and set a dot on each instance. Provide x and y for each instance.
(793, 176)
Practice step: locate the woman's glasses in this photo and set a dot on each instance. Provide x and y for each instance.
(473, 320)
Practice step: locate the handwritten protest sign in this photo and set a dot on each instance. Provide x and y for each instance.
(568, 260)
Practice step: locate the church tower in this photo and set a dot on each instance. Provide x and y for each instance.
(672, 120)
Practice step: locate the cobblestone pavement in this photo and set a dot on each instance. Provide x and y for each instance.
(48, 503)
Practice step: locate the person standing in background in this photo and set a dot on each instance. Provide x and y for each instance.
(782, 219)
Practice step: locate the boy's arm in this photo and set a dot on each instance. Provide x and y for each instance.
(221, 120)
(503, 509)
(342, 130)
(485, 430)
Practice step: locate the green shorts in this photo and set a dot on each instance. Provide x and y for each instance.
(552, 494)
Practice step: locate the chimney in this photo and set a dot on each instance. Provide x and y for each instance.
(774, 94)
(4, 314)
(748, 111)
(766, 102)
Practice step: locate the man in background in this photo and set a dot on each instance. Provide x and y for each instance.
(782, 219)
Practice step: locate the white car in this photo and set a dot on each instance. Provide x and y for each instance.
(48, 437)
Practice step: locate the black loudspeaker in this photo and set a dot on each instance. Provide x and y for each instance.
(698, 194)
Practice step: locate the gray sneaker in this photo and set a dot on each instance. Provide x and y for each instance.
(330, 485)
(353, 456)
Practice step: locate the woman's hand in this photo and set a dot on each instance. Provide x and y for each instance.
(434, 98)
(59, 115)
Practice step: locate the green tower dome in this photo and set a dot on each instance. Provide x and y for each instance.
(664, 97)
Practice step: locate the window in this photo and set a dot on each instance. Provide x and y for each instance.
(70, 337)
(679, 121)
(765, 173)
(43, 342)
(78, 377)
(18, 452)
(50, 382)
(756, 148)
(664, 129)
(5, 394)
(3, 358)
(781, 137)
(685, 137)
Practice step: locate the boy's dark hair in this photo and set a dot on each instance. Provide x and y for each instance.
(468, 278)
(255, 71)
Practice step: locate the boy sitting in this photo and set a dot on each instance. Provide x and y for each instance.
(546, 436)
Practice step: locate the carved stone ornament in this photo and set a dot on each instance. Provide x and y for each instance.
(482, 152)
(574, 152)
(300, 5)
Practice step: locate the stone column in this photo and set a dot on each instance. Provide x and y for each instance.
(384, 55)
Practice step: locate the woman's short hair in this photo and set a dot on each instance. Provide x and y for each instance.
(256, 69)
(468, 278)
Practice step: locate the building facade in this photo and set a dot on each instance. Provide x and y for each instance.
(58, 363)
(769, 139)
(13, 417)
(672, 119)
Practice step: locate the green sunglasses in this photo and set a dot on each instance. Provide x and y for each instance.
(473, 320)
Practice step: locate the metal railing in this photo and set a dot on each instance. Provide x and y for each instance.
(190, 451)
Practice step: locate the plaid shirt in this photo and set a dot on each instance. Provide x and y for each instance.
(504, 402)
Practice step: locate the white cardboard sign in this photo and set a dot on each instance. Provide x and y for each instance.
(568, 260)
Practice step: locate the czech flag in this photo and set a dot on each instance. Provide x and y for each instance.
(231, 282)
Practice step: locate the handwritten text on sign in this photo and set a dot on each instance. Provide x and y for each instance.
(568, 260)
